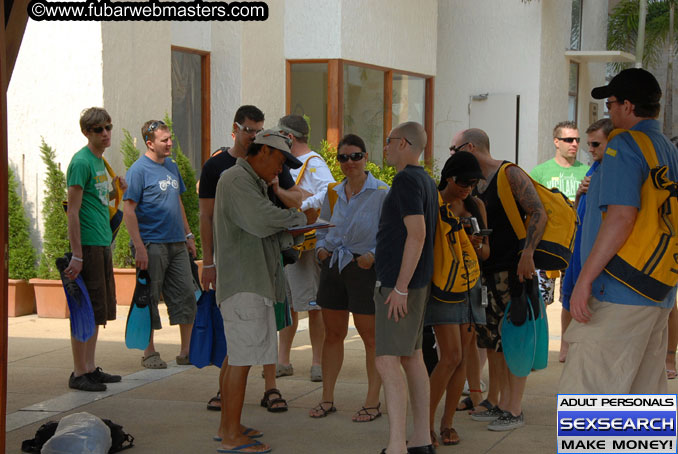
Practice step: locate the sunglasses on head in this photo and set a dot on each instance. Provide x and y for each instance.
(247, 129)
(594, 144)
(152, 127)
(459, 148)
(391, 139)
(352, 156)
(570, 139)
(100, 129)
(465, 183)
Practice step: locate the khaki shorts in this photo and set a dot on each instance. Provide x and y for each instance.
(170, 269)
(303, 278)
(405, 336)
(97, 273)
(251, 334)
(621, 350)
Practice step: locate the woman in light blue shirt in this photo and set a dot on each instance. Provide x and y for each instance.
(347, 276)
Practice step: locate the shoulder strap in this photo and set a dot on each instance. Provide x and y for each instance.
(303, 169)
(508, 202)
(331, 194)
(644, 143)
(116, 185)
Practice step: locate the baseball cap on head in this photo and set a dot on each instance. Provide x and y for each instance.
(462, 165)
(635, 84)
(281, 142)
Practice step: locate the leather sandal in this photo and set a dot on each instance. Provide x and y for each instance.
(365, 411)
(449, 436)
(322, 410)
(269, 403)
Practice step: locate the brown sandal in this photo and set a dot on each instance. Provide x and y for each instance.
(365, 411)
(268, 403)
(449, 436)
(323, 411)
(434, 440)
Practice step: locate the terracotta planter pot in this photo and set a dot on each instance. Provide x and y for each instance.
(21, 298)
(50, 298)
(125, 281)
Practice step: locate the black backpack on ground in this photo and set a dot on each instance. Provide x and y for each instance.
(120, 439)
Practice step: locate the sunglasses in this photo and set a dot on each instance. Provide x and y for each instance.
(287, 140)
(465, 183)
(459, 148)
(570, 139)
(352, 156)
(100, 129)
(391, 139)
(609, 104)
(152, 127)
(247, 129)
(594, 144)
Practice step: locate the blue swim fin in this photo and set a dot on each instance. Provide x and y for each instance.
(219, 349)
(200, 349)
(541, 356)
(79, 303)
(138, 329)
(519, 332)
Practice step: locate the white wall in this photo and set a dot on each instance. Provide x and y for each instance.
(312, 28)
(137, 79)
(486, 46)
(58, 73)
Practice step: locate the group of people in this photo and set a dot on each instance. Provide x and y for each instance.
(376, 263)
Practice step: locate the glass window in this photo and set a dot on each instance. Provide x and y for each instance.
(187, 104)
(575, 30)
(364, 107)
(309, 97)
(409, 99)
(573, 92)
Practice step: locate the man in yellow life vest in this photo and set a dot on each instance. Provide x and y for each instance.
(619, 333)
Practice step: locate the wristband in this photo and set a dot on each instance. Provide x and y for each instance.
(395, 289)
(206, 267)
(77, 259)
(190, 235)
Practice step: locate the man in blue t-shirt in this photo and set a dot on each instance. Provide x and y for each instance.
(404, 266)
(618, 337)
(162, 239)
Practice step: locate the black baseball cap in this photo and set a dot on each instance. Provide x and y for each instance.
(635, 84)
(462, 165)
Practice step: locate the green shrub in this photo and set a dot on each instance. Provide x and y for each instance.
(190, 197)
(21, 251)
(55, 234)
(122, 253)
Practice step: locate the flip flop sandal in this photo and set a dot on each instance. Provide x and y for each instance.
(211, 404)
(670, 374)
(466, 404)
(365, 411)
(245, 432)
(242, 448)
(153, 361)
(323, 411)
(485, 404)
(269, 403)
(449, 434)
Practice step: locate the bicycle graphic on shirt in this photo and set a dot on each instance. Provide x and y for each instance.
(164, 184)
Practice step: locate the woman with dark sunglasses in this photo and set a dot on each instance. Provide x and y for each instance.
(347, 276)
(451, 321)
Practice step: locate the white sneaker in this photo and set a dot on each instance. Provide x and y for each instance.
(466, 392)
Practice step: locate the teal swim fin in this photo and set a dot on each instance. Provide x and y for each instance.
(541, 355)
(138, 329)
(518, 329)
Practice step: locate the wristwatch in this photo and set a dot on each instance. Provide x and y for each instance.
(190, 235)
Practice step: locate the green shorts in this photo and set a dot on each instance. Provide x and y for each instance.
(400, 338)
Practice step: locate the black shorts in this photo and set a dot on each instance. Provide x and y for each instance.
(97, 272)
(351, 290)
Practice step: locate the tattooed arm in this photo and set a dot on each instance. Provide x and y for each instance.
(526, 196)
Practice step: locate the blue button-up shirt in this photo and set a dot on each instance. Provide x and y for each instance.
(356, 221)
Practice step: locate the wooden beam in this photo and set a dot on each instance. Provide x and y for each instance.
(335, 101)
(428, 121)
(14, 33)
(388, 110)
(206, 105)
(288, 87)
(4, 227)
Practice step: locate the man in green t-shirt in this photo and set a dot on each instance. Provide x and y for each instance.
(89, 233)
(563, 172)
